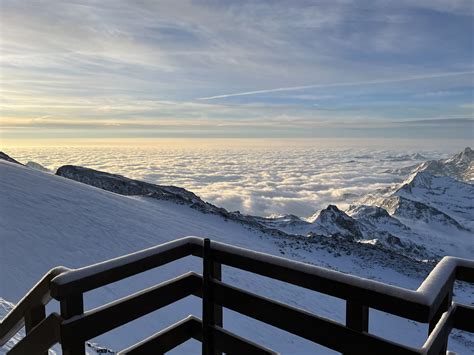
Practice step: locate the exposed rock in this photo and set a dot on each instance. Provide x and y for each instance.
(6, 157)
(129, 187)
(418, 211)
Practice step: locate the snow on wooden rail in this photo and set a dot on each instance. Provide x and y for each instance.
(430, 303)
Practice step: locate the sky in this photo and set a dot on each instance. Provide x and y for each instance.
(262, 69)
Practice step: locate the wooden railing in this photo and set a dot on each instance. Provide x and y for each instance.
(430, 303)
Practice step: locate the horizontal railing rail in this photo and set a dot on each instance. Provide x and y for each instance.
(191, 327)
(419, 305)
(430, 303)
(110, 316)
(41, 338)
(94, 276)
(30, 310)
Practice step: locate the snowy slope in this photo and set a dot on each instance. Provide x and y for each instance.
(428, 215)
(432, 211)
(441, 192)
(460, 166)
(423, 206)
(47, 220)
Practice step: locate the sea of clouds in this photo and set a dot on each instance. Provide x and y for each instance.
(255, 177)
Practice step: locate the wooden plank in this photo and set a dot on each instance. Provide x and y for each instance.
(38, 295)
(190, 327)
(72, 306)
(167, 339)
(304, 324)
(438, 339)
(464, 318)
(357, 316)
(33, 317)
(124, 310)
(94, 276)
(40, 338)
(465, 273)
(208, 317)
(307, 277)
(230, 343)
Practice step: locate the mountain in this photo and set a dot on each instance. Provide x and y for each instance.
(6, 157)
(376, 217)
(330, 222)
(333, 222)
(289, 223)
(441, 192)
(418, 211)
(423, 197)
(421, 205)
(37, 166)
(129, 187)
(404, 157)
(432, 207)
(428, 214)
(49, 220)
(460, 167)
(360, 225)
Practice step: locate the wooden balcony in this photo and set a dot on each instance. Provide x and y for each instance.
(431, 303)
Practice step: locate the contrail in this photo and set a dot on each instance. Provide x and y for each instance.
(356, 83)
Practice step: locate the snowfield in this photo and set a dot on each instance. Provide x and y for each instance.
(48, 220)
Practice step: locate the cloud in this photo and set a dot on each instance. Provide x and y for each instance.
(117, 61)
(357, 83)
(262, 177)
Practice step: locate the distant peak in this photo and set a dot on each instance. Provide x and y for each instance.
(4, 156)
(466, 154)
(468, 151)
(332, 208)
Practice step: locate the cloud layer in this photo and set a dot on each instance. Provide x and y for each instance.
(257, 177)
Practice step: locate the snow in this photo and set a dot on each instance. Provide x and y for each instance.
(47, 220)
(459, 166)
(443, 193)
(6, 307)
(436, 212)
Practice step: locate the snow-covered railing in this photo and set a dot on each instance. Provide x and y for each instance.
(430, 303)
(31, 309)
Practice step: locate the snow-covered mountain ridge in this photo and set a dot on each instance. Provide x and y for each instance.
(427, 215)
(330, 222)
(129, 187)
(460, 166)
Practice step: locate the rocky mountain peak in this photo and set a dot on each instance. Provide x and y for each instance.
(465, 156)
(420, 179)
(4, 156)
(333, 221)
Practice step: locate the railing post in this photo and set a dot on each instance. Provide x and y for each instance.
(72, 306)
(444, 306)
(33, 317)
(217, 309)
(357, 317)
(211, 313)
